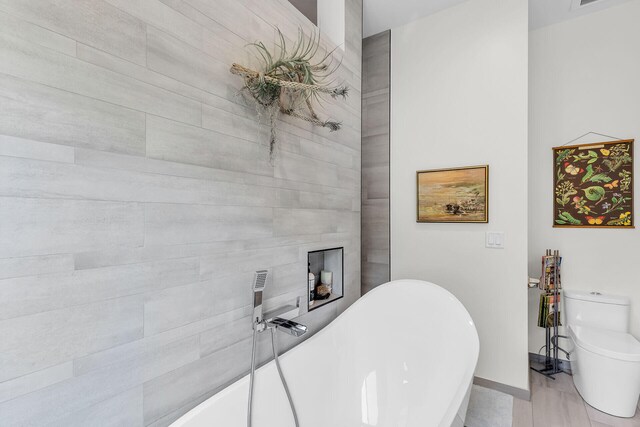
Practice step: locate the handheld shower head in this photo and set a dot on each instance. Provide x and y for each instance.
(259, 282)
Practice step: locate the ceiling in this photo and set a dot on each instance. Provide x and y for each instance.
(547, 12)
(380, 15)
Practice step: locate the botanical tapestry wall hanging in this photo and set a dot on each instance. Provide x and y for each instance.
(593, 185)
(292, 81)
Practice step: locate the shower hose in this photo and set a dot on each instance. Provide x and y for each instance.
(282, 379)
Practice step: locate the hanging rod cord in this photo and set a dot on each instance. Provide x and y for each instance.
(590, 133)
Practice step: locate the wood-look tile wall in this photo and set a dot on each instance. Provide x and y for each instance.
(376, 76)
(136, 200)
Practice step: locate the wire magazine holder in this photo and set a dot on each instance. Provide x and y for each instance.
(549, 312)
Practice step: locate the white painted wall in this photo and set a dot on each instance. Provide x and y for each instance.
(584, 77)
(459, 97)
(331, 20)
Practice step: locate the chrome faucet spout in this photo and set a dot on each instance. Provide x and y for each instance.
(289, 326)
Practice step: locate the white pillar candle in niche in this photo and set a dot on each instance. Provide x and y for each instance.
(326, 277)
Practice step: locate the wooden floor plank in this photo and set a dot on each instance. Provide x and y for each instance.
(555, 404)
(522, 413)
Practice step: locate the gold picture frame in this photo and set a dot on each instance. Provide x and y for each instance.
(453, 195)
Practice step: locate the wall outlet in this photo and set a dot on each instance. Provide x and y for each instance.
(495, 240)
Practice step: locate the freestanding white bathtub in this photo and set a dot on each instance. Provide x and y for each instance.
(402, 356)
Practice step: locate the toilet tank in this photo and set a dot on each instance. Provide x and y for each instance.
(584, 308)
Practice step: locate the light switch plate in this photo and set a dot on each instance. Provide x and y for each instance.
(494, 240)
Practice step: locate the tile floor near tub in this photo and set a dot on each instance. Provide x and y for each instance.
(558, 404)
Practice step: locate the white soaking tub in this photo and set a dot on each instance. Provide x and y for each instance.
(402, 356)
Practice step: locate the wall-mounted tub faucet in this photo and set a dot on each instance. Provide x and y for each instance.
(272, 323)
(289, 326)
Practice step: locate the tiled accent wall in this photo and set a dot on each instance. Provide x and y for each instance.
(376, 75)
(137, 198)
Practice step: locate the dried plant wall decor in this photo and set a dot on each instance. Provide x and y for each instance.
(593, 185)
(291, 81)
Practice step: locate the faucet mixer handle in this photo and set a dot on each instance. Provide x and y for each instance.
(289, 326)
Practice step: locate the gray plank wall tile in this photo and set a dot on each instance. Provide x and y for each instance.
(149, 357)
(19, 147)
(23, 178)
(32, 62)
(45, 339)
(177, 59)
(32, 226)
(177, 224)
(42, 113)
(36, 34)
(173, 141)
(34, 294)
(56, 402)
(175, 307)
(159, 15)
(137, 198)
(124, 409)
(35, 381)
(376, 51)
(35, 265)
(93, 22)
(175, 389)
(138, 72)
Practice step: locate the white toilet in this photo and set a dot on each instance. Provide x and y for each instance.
(605, 360)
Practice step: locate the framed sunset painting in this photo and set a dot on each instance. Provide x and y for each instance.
(453, 195)
(593, 185)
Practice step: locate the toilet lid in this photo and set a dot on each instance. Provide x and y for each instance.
(616, 345)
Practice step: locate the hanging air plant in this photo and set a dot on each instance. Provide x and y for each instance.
(291, 81)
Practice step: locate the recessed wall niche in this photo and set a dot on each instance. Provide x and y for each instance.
(325, 276)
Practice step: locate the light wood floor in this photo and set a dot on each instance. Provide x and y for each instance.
(558, 404)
